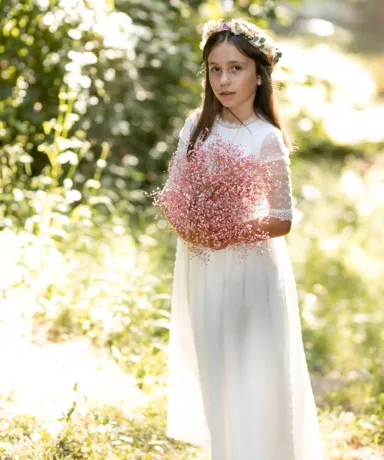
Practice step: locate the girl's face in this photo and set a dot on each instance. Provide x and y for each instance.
(231, 71)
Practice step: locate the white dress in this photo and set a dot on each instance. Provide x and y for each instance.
(238, 380)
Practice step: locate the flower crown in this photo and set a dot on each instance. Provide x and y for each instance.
(241, 27)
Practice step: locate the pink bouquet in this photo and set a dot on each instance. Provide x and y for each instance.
(208, 199)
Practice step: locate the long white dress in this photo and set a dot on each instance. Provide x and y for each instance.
(238, 380)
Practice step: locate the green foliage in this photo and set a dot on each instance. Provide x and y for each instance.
(124, 75)
(36, 45)
(339, 265)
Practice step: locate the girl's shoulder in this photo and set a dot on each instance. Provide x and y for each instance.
(266, 128)
(190, 122)
(194, 114)
(269, 134)
(272, 142)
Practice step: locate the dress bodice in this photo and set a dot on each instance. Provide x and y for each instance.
(248, 136)
(259, 138)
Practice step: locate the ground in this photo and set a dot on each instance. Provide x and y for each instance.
(68, 398)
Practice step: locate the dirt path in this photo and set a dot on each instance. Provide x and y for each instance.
(38, 377)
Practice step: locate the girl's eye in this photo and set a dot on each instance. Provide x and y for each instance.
(213, 68)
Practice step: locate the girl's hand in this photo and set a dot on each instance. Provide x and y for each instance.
(217, 245)
(212, 243)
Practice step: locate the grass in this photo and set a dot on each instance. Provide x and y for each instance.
(103, 433)
(106, 433)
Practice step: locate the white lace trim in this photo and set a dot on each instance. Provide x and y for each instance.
(276, 157)
(228, 124)
(282, 214)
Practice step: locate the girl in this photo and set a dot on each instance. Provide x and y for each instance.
(238, 377)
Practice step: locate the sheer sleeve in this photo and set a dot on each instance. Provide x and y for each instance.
(275, 155)
(179, 156)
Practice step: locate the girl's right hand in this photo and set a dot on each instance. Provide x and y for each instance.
(216, 246)
(212, 243)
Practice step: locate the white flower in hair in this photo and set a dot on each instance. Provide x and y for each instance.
(268, 44)
(236, 27)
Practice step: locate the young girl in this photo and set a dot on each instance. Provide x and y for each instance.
(238, 377)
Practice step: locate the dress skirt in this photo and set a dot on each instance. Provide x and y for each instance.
(238, 380)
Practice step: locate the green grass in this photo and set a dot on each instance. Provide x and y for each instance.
(106, 433)
(103, 433)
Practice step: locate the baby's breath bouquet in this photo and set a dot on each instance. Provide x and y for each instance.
(210, 197)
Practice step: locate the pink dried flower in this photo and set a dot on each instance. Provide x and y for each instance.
(211, 196)
(224, 26)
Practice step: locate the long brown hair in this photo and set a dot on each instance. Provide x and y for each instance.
(265, 103)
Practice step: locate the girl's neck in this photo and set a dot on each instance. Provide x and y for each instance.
(243, 115)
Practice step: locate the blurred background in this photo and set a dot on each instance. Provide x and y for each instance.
(92, 97)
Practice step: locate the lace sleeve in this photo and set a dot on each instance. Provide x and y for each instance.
(175, 162)
(179, 156)
(275, 153)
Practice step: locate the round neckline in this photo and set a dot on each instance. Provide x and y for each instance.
(234, 125)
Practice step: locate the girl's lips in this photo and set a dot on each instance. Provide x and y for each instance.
(226, 95)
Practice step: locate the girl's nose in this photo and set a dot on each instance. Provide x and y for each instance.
(224, 79)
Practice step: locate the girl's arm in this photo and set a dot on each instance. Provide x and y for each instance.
(275, 156)
(273, 226)
(178, 157)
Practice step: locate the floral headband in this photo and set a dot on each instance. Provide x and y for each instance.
(250, 31)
